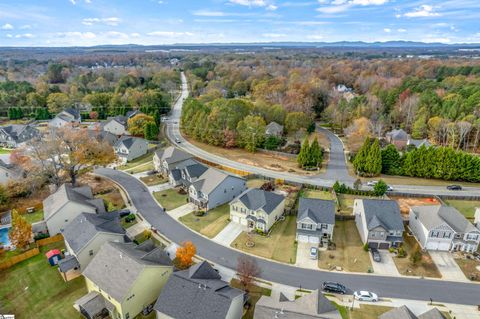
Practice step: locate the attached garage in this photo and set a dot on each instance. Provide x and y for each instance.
(239, 220)
(437, 245)
(308, 239)
(378, 245)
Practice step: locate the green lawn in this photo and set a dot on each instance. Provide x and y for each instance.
(154, 180)
(466, 207)
(363, 312)
(34, 289)
(279, 245)
(255, 293)
(310, 193)
(138, 161)
(170, 198)
(126, 225)
(209, 224)
(34, 217)
(256, 182)
(5, 151)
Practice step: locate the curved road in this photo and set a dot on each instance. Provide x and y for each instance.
(394, 287)
(336, 167)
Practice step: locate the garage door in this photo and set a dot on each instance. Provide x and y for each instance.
(313, 239)
(373, 245)
(383, 246)
(303, 238)
(236, 219)
(435, 245)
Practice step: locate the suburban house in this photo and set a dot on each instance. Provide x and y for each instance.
(170, 158)
(132, 113)
(214, 188)
(191, 173)
(68, 116)
(439, 227)
(101, 136)
(128, 148)
(257, 209)
(9, 172)
(274, 129)
(61, 207)
(116, 125)
(310, 306)
(199, 292)
(404, 312)
(399, 138)
(15, 135)
(84, 236)
(315, 220)
(379, 222)
(419, 143)
(476, 219)
(123, 279)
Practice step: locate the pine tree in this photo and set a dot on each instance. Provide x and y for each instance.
(20, 234)
(374, 159)
(316, 153)
(390, 160)
(303, 155)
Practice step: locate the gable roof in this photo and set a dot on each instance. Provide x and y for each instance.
(382, 212)
(119, 119)
(116, 266)
(433, 313)
(72, 112)
(256, 198)
(86, 226)
(101, 135)
(15, 130)
(402, 312)
(66, 193)
(196, 292)
(399, 134)
(432, 216)
(195, 170)
(273, 128)
(419, 143)
(319, 210)
(210, 179)
(313, 305)
(172, 155)
(128, 141)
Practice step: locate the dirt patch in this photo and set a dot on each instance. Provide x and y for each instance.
(406, 202)
(246, 161)
(99, 185)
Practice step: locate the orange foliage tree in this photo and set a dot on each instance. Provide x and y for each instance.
(20, 234)
(185, 254)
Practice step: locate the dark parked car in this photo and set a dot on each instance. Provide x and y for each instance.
(454, 187)
(376, 255)
(335, 287)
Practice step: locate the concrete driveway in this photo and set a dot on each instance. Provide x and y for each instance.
(447, 266)
(303, 256)
(181, 211)
(386, 266)
(229, 233)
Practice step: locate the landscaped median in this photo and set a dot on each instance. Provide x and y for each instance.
(279, 245)
(210, 223)
(171, 198)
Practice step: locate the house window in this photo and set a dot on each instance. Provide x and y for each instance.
(324, 226)
(382, 234)
(373, 234)
(391, 233)
(307, 226)
(434, 234)
(90, 252)
(225, 191)
(447, 235)
(472, 237)
(66, 220)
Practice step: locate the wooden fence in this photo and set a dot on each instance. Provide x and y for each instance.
(19, 258)
(49, 240)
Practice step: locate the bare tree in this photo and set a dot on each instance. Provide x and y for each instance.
(247, 270)
(464, 129)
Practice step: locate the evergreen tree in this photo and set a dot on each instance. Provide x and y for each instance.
(151, 131)
(374, 159)
(390, 160)
(303, 155)
(316, 153)
(359, 162)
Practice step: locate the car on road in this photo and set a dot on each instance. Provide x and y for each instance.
(177, 140)
(389, 188)
(313, 253)
(375, 255)
(334, 287)
(363, 295)
(454, 187)
(372, 183)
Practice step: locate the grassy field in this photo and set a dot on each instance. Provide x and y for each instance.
(466, 207)
(279, 245)
(425, 267)
(310, 193)
(113, 200)
(256, 182)
(363, 312)
(255, 293)
(154, 180)
(170, 198)
(209, 224)
(34, 217)
(34, 289)
(469, 268)
(349, 253)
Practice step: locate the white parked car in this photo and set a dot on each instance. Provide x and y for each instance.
(372, 183)
(313, 253)
(389, 188)
(365, 296)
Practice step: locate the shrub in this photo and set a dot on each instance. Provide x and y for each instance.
(416, 256)
(199, 213)
(365, 247)
(130, 218)
(401, 253)
(40, 236)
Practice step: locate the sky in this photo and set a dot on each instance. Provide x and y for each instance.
(97, 22)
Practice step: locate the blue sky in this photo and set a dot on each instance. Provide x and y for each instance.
(93, 22)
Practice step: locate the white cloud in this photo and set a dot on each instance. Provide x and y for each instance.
(208, 13)
(422, 11)
(113, 21)
(74, 2)
(25, 27)
(169, 34)
(334, 9)
(7, 26)
(269, 5)
(274, 35)
(337, 6)
(368, 2)
(9, 36)
(81, 35)
(24, 36)
(272, 7)
(135, 35)
(310, 22)
(388, 30)
(315, 37)
(401, 30)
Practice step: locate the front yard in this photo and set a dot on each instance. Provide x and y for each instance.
(170, 198)
(152, 180)
(279, 245)
(255, 293)
(470, 267)
(363, 312)
(349, 253)
(144, 159)
(466, 207)
(424, 267)
(34, 289)
(209, 224)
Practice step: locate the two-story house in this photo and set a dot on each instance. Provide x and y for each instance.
(257, 209)
(191, 173)
(123, 279)
(214, 188)
(116, 125)
(379, 222)
(84, 236)
(61, 207)
(16, 135)
(199, 292)
(439, 227)
(170, 158)
(315, 220)
(128, 148)
(68, 117)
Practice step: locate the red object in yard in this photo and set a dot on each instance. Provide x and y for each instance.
(53, 252)
(54, 256)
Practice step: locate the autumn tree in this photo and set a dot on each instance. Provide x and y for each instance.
(56, 102)
(185, 254)
(296, 121)
(247, 271)
(251, 132)
(20, 234)
(137, 124)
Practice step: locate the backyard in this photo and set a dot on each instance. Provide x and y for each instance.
(209, 224)
(349, 253)
(255, 293)
(278, 245)
(34, 217)
(466, 207)
(29, 288)
(113, 200)
(170, 198)
(312, 193)
(425, 267)
(346, 202)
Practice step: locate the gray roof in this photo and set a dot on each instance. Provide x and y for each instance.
(433, 313)
(313, 305)
(384, 213)
(65, 193)
(68, 263)
(86, 226)
(210, 180)
(119, 119)
(319, 210)
(398, 313)
(73, 112)
(273, 128)
(176, 174)
(256, 198)
(195, 170)
(398, 135)
(432, 216)
(103, 136)
(14, 131)
(132, 113)
(128, 141)
(93, 303)
(116, 266)
(419, 143)
(197, 292)
(172, 155)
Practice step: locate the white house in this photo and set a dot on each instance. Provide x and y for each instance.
(116, 125)
(129, 148)
(315, 220)
(68, 116)
(439, 227)
(257, 209)
(170, 158)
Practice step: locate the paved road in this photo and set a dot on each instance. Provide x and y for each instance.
(405, 288)
(336, 168)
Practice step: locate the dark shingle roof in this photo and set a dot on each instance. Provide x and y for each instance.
(319, 210)
(432, 216)
(398, 313)
(173, 155)
(381, 212)
(128, 141)
(433, 313)
(398, 134)
(73, 112)
(68, 263)
(256, 198)
(195, 170)
(197, 292)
